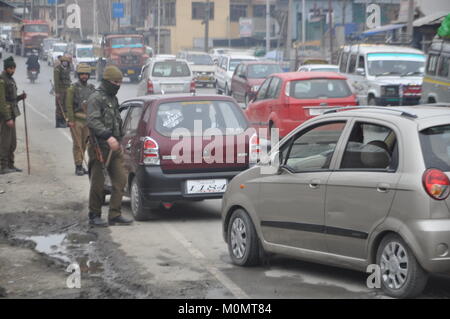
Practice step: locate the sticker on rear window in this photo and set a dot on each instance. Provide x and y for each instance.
(171, 118)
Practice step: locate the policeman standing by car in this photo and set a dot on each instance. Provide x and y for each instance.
(76, 103)
(9, 111)
(61, 77)
(105, 125)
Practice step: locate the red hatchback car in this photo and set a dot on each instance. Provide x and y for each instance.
(286, 100)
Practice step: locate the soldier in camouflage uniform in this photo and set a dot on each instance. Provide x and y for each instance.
(61, 77)
(105, 125)
(9, 111)
(76, 102)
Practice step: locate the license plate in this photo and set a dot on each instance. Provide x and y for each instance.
(171, 87)
(131, 72)
(204, 78)
(209, 186)
(315, 112)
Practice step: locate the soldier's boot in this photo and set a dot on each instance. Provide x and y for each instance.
(120, 220)
(86, 172)
(8, 170)
(96, 220)
(79, 170)
(15, 169)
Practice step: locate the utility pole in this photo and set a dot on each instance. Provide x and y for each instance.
(56, 18)
(409, 27)
(24, 10)
(118, 21)
(330, 28)
(159, 27)
(267, 26)
(304, 15)
(94, 22)
(289, 33)
(206, 21)
(32, 10)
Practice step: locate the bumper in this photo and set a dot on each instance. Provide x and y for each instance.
(156, 185)
(385, 101)
(204, 80)
(433, 237)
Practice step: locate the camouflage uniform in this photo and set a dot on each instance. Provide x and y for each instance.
(9, 110)
(76, 102)
(104, 121)
(62, 81)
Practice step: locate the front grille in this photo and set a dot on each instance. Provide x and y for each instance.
(129, 59)
(391, 91)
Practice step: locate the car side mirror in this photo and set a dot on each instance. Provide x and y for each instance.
(360, 71)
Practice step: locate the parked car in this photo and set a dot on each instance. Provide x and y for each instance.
(286, 100)
(436, 84)
(166, 75)
(217, 52)
(351, 189)
(202, 66)
(160, 170)
(57, 49)
(318, 68)
(248, 76)
(384, 74)
(225, 69)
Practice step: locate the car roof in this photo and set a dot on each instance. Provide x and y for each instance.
(380, 48)
(292, 76)
(240, 56)
(312, 66)
(178, 97)
(250, 62)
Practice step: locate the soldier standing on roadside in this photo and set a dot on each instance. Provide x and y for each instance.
(61, 77)
(9, 111)
(105, 125)
(76, 103)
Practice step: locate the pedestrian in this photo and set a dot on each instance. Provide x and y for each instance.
(9, 111)
(76, 103)
(105, 125)
(61, 77)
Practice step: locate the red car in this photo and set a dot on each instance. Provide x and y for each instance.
(286, 100)
(248, 77)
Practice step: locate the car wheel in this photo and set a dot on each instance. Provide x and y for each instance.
(372, 101)
(137, 203)
(401, 274)
(243, 241)
(227, 91)
(218, 91)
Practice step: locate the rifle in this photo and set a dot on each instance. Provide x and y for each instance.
(98, 153)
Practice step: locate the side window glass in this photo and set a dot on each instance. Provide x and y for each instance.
(312, 150)
(352, 64)
(344, 62)
(444, 66)
(371, 147)
(273, 90)
(432, 64)
(263, 90)
(132, 122)
(361, 64)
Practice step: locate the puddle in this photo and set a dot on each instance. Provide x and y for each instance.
(51, 245)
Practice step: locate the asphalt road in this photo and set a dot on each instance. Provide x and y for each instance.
(185, 247)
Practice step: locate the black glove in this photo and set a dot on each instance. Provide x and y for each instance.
(21, 97)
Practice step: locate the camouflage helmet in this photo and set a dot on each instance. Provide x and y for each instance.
(65, 58)
(112, 73)
(83, 68)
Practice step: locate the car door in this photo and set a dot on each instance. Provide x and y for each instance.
(360, 191)
(273, 109)
(291, 202)
(142, 86)
(256, 108)
(236, 83)
(222, 73)
(443, 73)
(130, 140)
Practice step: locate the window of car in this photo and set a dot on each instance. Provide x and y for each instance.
(132, 121)
(193, 115)
(361, 62)
(371, 147)
(319, 88)
(224, 63)
(344, 62)
(313, 148)
(274, 88)
(263, 90)
(435, 143)
(261, 71)
(171, 69)
(432, 64)
(352, 64)
(444, 66)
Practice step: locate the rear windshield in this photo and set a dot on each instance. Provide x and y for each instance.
(261, 71)
(169, 69)
(435, 142)
(200, 59)
(198, 116)
(325, 69)
(319, 88)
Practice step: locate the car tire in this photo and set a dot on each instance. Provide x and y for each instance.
(140, 213)
(243, 242)
(408, 283)
(371, 101)
(227, 91)
(218, 91)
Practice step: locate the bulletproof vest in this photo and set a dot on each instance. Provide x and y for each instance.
(111, 115)
(64, 77)
(81, 94)
(11, 93)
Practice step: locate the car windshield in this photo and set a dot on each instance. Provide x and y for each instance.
(168, 69)
(85, 53)
(36, 28)
(200, 59)
(261, 71)
(199, 116)
(382, 64)
(319, 88)
(234, 63)
(60, 48)
(435, 143)
(126, 42)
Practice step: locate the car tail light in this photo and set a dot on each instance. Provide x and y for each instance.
(254, 148)
(150, 87)
(150, 152)
(192, 86)
(436, 183)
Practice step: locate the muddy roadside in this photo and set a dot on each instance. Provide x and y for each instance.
(43, 230)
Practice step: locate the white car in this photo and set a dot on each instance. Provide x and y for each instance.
(58, 48)
(84, 53)
(319, 68)
(225, 69)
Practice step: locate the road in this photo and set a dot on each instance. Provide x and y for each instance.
(180, 255)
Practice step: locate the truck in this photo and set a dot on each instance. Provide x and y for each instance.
(84, 53)
(29, 35)
(124, 50)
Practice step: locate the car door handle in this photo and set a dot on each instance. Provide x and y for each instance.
(383, 188)
(314, 184)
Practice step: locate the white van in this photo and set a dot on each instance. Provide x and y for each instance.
(383, 74)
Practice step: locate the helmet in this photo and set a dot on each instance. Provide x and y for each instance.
(65, 58)
(83, 68)
(112, 73)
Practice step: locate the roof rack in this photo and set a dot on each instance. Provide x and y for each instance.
(402, 112)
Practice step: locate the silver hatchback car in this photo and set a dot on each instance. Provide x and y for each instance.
(353, 188)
